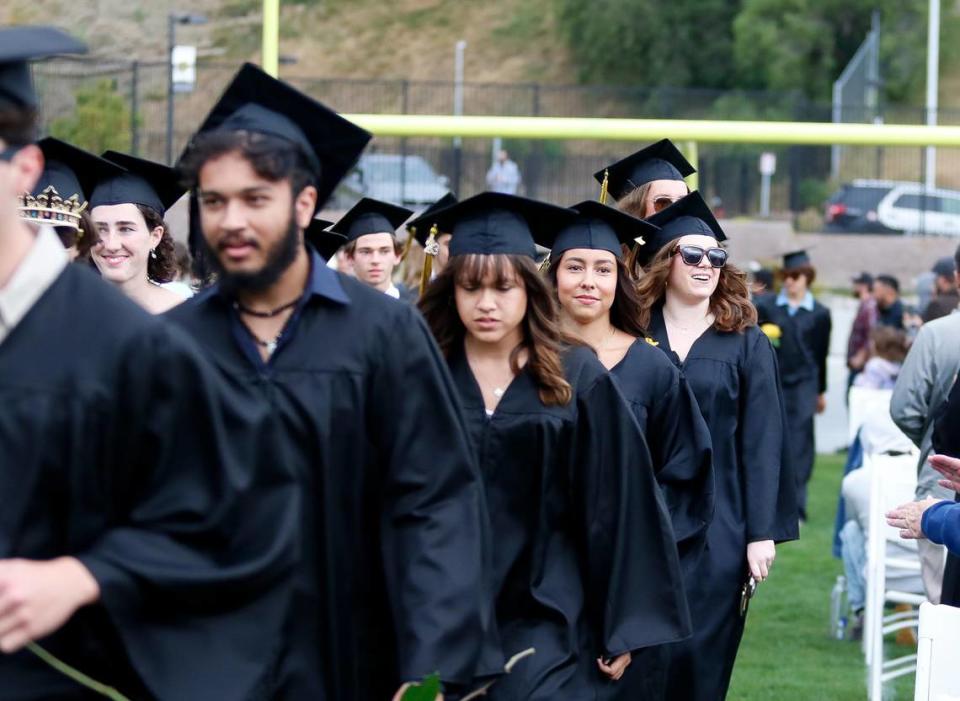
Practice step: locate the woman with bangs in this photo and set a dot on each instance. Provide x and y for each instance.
(577, 520)
(696, 306)
(599, 306)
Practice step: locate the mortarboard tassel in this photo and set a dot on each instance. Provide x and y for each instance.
(604, 186)
(411, 235)
(432, 248)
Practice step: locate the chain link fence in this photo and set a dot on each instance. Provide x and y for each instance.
(121, 104)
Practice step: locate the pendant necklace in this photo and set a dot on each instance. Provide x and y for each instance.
(267, 314)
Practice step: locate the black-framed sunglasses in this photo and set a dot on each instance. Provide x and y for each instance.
(692, 255)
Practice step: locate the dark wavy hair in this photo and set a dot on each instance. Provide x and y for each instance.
(163, 268)
(625, 311)
(542, 338)
(730, 303)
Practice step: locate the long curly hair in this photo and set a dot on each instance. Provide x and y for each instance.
(542, 339)
(625, 311)
(730, 303)
(163, 268)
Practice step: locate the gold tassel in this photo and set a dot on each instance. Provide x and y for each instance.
(411, 235)
(604, 186)
(544, 264)
(431, 249)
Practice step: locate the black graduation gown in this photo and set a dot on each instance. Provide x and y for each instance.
(114, 448)
(584, 561)
(802, 354)
(734, 378)
(389, 587)
(679, 443)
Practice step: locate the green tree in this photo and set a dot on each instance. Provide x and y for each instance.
(680, 43)
(100, 120)
(805, 44)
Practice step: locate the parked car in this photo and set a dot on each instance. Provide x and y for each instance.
(854, 207)
(913, 209)
(397, 178)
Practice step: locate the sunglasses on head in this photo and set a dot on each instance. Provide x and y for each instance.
(661, 202)
(692, 255)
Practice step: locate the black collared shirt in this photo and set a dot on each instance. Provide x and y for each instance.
(390, 583)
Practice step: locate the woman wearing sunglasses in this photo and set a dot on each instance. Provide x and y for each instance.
(599, 306)
(584, 565)
(648, 181)
(695, 304)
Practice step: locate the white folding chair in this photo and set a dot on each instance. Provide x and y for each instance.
(893, 482)
(939, 640)
(860, 401)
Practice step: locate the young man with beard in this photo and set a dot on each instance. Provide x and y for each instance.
(389, 587)
(133, 542)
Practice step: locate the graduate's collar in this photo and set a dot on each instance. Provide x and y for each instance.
(805, 303)
(323, 281)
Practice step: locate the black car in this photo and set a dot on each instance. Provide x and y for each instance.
(853, 208)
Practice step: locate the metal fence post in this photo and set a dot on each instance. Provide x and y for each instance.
(134, 108)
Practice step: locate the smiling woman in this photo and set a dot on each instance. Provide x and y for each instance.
(134, 248)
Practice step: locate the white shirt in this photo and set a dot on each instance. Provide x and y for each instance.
(34, 276)
(393, 291)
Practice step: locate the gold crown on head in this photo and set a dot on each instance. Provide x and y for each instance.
(49, 207)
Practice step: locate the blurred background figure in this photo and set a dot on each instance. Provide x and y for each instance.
(887, 350)
(858, 345)
(945, 294)
(504, 175)
(886, 291)
(761, 281)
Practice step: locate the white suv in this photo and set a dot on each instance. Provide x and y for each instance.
(912, 209)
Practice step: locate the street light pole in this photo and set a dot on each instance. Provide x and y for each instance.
(933, 70)
(171, 42)
(174, 19)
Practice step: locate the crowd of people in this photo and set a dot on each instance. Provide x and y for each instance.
(534, 477)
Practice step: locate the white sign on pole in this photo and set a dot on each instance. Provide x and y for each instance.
(768, 163)
(183, 62)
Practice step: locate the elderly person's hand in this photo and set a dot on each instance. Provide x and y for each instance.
(907, 517)
(949, 468)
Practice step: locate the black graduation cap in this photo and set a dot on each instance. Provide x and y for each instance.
(144, 182)
(689, 215)
(497, 223)
(257, 102)
(69, 175)
(421, 226)
(659, 161)
(326, 242)
(370, 216)
(601, 228)
(19, 46)
(795, 259)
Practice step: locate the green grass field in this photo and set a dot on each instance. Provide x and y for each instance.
(786, 653)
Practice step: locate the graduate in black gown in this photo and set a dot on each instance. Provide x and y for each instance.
(389, 587)
(372, 247)
(696, 306)
(802, 340)
(60, 197)
(140, 542)
(599, 305)
(647, 181)
(585, 567)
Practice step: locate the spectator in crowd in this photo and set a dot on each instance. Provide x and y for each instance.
(939, 521)
(946, 297)
(858, 346)
(504, 175)
(801, 327)
(922, 387)
(886, 290)
(888, 348)
(761, 282)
